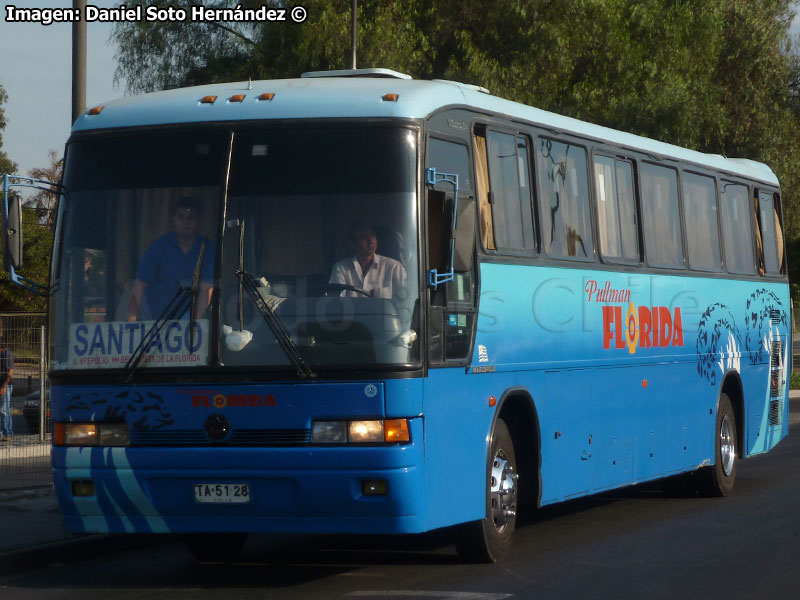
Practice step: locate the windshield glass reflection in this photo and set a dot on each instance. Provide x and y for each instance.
(326, 220)
(322, 221)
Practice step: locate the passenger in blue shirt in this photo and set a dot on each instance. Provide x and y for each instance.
(168, 264)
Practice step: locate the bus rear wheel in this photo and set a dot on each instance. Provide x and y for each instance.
(489, 540)
(215, 547)
(718, 479)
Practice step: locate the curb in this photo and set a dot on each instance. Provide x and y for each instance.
(75, 549)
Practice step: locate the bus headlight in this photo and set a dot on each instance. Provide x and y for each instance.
(114, 434)
(80, 434)
(329, 432)
(360, 432)
(91, 434)
(365, 431)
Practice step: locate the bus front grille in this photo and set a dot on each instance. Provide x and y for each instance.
(239, 437)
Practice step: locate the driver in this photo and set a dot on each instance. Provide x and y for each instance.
(168, 264)
(375, 274)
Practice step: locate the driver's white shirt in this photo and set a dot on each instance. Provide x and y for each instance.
(382, 276)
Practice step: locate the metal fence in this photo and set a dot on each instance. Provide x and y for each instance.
(25, 459)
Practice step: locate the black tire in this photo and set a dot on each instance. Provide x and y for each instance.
(215, 547)
(489, 540)
(718, 479)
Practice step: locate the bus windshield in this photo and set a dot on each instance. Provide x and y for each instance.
(277, 241)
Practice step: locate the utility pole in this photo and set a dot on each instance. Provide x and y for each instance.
(353, 12)
(79, 61)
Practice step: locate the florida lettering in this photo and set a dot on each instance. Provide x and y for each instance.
(643, 326)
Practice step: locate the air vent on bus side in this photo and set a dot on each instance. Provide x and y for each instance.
(776, 380)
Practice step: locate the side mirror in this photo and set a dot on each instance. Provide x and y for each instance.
(12, 249)
(464, 235)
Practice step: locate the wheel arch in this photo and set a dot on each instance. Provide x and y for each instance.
(732, 386)
(517, 408)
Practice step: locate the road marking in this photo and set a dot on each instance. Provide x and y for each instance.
(444, 595)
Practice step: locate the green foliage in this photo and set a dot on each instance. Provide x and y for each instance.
(794, 381)
(38, 244)
(713, 75)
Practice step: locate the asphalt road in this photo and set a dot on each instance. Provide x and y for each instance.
(638, 543)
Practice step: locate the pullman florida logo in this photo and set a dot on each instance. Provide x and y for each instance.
(635, 326)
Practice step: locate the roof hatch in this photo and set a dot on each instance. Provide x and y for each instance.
(387, 73)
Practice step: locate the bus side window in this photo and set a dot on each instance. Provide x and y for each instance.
(509, 181)
(616, 209)
(660, 216)
(700, 219)
(779, 233)
(482, 183)
(564, 200)
(770, 236)
(737, 235)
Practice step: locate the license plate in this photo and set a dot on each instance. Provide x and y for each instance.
(224, 493)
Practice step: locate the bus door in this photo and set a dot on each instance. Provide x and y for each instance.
(456, 412)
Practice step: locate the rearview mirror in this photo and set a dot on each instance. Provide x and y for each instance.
(12, 249)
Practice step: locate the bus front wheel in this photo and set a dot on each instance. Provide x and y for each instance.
(718, 479)
(490, 539)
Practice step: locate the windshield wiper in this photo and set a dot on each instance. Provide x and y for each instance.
(195, 283)
(276, 325)
(175, 308)
(248, 284)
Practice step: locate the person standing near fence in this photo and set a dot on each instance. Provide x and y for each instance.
(6, 372)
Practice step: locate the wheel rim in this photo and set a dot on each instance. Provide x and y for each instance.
(503, 491)
(727, 449)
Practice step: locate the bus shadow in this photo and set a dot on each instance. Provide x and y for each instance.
(678, 487)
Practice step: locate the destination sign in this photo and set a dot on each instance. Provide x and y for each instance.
(110, 345)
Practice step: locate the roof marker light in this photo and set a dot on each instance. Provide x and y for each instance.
(208, 100)
(266, 96)
(96, 110)
(390, 97)
(237, 98)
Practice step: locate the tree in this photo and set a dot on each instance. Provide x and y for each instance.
(6, 164)
(36, 262)
(38, 242)
(43, 202)
(717, 76)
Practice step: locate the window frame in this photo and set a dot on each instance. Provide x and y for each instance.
(588, 147)
(716, 200)
(721, 181)
(682, 241)
(778, 207)
(483, 129)
(612, 260)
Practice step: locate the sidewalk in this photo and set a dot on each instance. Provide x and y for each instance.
(33, 535)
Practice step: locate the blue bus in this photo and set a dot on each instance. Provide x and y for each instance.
(355, 302)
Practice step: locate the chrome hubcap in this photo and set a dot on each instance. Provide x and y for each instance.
(727, 450)
(503, 491)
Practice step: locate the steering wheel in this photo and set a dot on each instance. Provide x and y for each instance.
(343, 287)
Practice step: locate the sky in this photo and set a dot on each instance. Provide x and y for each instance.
(35, 70)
